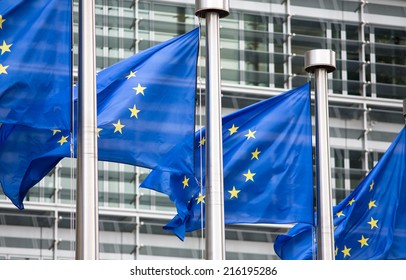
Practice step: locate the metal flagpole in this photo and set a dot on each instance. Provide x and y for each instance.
(87, 220)
(320, 62)
(212, 10)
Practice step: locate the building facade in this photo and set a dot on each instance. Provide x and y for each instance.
(262, 54)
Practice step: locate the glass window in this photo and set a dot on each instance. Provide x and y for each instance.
(356, 169)
(308, 27)
(256, 54)
(130, 181)
(384, 124)
(351, 32)
(179, 16)
(390, 36)
(384, 9)
(338, 5)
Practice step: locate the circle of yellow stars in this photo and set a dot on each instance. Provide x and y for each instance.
(249, 175)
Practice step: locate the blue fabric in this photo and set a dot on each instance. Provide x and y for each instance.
(370, 223)
(145, 105)
(163, 90)
(35, 63)
(267, 167)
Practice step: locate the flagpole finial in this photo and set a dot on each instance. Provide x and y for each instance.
(205, 6)
(320, 58)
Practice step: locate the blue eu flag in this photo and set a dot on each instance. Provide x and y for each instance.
(267, 167)
(145, 107)
(370, 223)
(35, 62)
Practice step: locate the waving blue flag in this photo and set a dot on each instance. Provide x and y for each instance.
(35, 62)
(146, 106)
(370, 223)
(27, 154)
(267, 167)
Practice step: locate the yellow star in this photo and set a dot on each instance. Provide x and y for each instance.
(5, 48)
(255, 154)
(371, 204)
(363, 241)
(55, 131)
(202, 141)
(336, 251)
(371, 186)
(233, 129)
(63, 140)
(185, 182)
(200, 198)
(132, 74)
(373, 223)
(249, 176)
(351, 202)
(346, 251)
(3, 69)
(1, 21)
(339, 214)
(118, 127)
(98, 131)
(234, 193)
(139, 89)
(134, 111)
(250, 134)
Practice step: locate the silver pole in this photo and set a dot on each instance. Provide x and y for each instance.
(87, 240)
(215, 237)
(320, 62)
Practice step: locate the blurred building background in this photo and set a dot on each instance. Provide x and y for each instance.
(262, 49)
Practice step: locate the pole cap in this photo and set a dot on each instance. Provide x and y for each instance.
(222, 7)
(320, 58)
